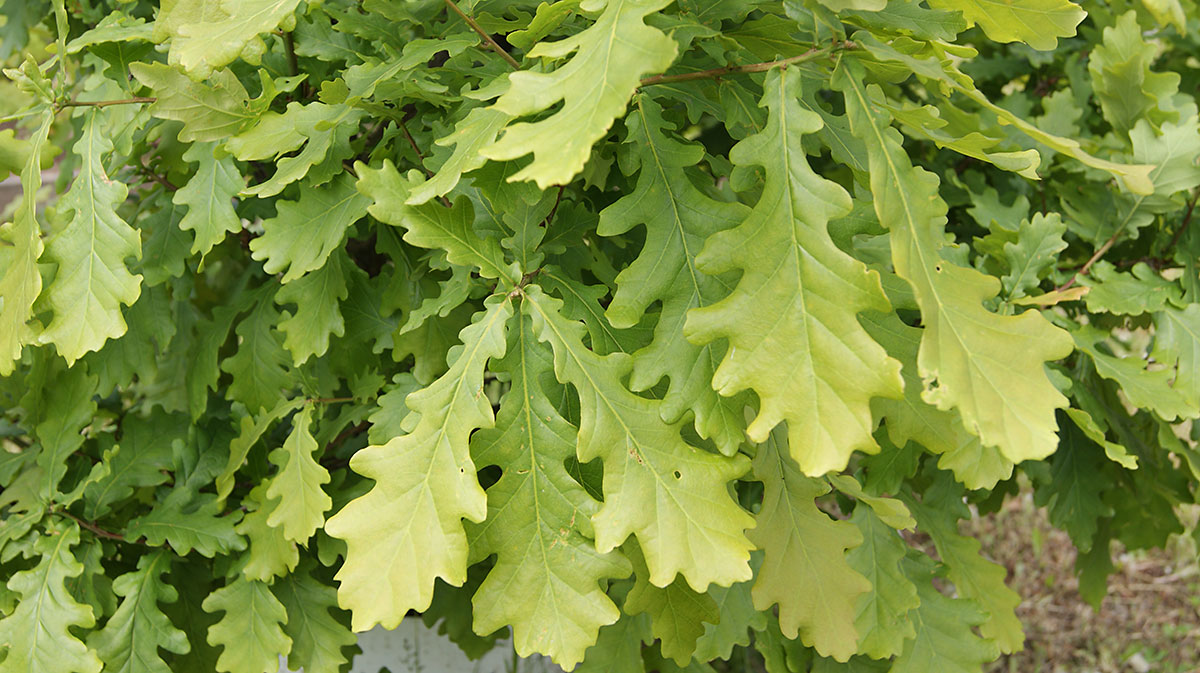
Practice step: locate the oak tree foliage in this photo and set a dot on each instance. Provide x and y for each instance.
(644, 332)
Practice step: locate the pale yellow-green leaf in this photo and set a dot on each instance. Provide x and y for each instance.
(93, 280)
(791, 322)
(674, 497)
(202, 41)
(250, 633)
(594, 86)
(1038, 23)
(302, 502)
(407, 531)
(548, 577)
(989, 367)
(20, 281)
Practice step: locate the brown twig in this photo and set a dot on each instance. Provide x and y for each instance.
(1087, 266)
(716, 73)
(416, 150)
(162, 180)
(486, 38)
(90, 526)
(106, 103)
(554, 208)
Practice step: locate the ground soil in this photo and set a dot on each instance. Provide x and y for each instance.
(1150, 620)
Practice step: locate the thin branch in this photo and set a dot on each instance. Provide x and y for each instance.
(106, 103)
(100, 532)
(1187, 218)
(1087, 266)
(147, 172)
(554, 208)
(289, 46)
(484, 34)
(416, 150)
(328, 400)
(716, 73)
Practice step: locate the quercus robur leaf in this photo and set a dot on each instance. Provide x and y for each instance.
(1144, 387)
(677, 613)
(431, 225)
(594, 85)
(926, 122)
(211, 110)
(323, 131)
(909, 17)
(318, 314)
(1172, 150)
(678, 218)
(278, 133)
(214, 35)
(737, 617)
(646, 461)
(791, 321)
(987, 366)
(1141, 290)
(618, 649)
(251, 632)
(1072, 496)
(260, 366)
(69, 407)
(882, 613)
(144, 453)
(319, 640)
(1134, 177)
(36, 635)
(1177, 345)
(407, 530)
(165, 250)
(93, 280)
(804, 566)
(474, 132)
(547, 582)
(302, 502)
(269, 553)
(130, 640)
(975, 577)
(188, 521)
(944, 640)
(209, 197)
(1038, 23)
(1039, 241)
(20, 282)
(1125, 87)
(305, 232)
(250, 429)
(913, 419)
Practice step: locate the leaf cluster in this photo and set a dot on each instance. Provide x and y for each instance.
(644, 333)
